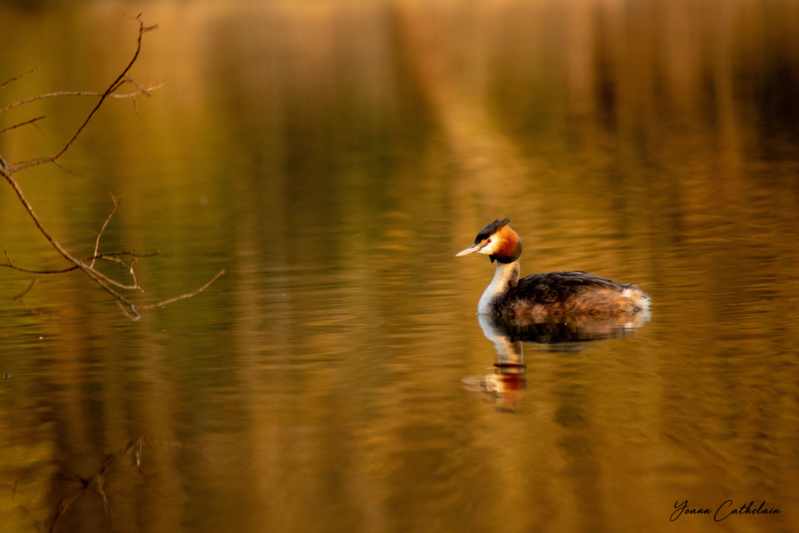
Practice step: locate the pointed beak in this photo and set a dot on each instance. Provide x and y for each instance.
(470, 250)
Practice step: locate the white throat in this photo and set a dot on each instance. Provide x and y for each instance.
(506, 276)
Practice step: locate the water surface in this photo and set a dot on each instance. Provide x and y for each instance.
(333, 157)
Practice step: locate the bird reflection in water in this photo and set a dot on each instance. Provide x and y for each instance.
(507, 380)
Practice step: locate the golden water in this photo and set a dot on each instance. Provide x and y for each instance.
(333, 157)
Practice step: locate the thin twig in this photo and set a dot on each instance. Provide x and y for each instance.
(105, 224)
(108, 256)
(26, 291)
(31, 121)
(141, 90)
(184, 296)
(15, 78)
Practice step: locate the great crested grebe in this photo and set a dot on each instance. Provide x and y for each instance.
(542, 296)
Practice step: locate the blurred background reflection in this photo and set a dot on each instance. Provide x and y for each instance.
(333, 157)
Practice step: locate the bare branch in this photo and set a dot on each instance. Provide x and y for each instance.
(126, 259)
(101, 279)
(118, 82)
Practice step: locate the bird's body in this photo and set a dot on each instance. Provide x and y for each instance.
(543, 296)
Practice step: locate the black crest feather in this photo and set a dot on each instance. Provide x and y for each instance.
(491, 229)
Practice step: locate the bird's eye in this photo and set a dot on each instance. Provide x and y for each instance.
(489, 240)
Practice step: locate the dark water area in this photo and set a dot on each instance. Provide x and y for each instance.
(333, 157)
